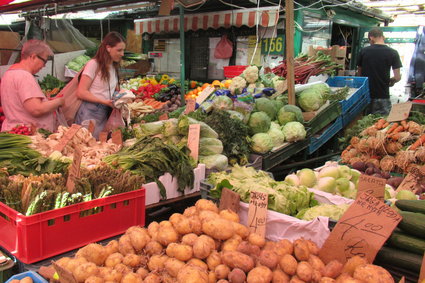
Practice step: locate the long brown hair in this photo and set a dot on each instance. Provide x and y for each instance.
(102, 56)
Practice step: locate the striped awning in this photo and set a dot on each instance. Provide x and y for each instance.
(266, 16)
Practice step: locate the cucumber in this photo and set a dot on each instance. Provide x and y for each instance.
(407, 243)
(413, 223)
(411, 205)
(399, 258)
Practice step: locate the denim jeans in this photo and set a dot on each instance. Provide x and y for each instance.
(97, 112)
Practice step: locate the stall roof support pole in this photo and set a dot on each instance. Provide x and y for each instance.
(182, 55)
(289, 13)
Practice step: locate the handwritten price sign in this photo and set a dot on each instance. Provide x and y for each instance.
(257, 213)
(372, 185)
(362, 230)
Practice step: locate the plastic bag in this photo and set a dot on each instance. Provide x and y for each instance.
(224, 48)
(115, 121)
(72, 102)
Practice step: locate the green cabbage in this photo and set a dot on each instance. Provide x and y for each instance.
(294, 131)
(209, 146)
(328, 210)
(151, 129)
(183, 127)
(284, 117)
(296, 110)
(216, 161)
(262, 143)
(277, 136)
(259, 122)
(310, 100)
(236, 115)
(170, 127)
(267, 106)
(222, 102)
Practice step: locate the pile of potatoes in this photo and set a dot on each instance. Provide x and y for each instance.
(205, 245)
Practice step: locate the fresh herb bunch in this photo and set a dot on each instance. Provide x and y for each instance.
(356, 129)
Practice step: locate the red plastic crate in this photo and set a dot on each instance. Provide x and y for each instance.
(43, 235)
(233, 71)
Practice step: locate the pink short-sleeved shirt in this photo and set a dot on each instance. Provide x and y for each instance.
(17, 86)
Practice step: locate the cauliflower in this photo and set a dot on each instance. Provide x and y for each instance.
(238, 84)
(251, 74)
(279, 85)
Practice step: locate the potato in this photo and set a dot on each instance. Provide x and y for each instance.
(221, 271)
(138, 238)
(111, 247)
(192, 274)
(153, 247)
(94, 253)
(121, 268)
(181, 223)
(205, 215)
(143, 272)
(74, 262)
(372, 273)
(269, 258)
(109, 274)
(132, 277)
(26, 279)
(132, 260)
(229, 215)
(173, 266)
(288, 264)
(213, 260)
(237, 275)
(346, 278)
(114, 259)
(179, 251)
(153, 230)
(91, 279)
(211, 277)
(190, 211)
(167, 235)
(326, 280)
(301, 250)
(304, 271)
(189, 239)
(63, 261)
(195, 224)
(333, 269)
(204, 204)
(156, 262)
(231, 244)
(312, 247)
(235, 259)
(15, 281)
(165, 224)
(316, 275)
(241, 230)
(316, 263)
(167, 278)
(270, 246)
(203, 247)
(260, 274)
(257, 240)
(296, 279)
(198, 263)
(222, 281)
(125, 246)
(352, 263)
(84, 271)
(152, 278)
(284, 247)
(280, 277)
(248, 249)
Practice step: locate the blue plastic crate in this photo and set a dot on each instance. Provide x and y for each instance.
(36, 278)
(316, 142)
(361, 83)
(356, 110)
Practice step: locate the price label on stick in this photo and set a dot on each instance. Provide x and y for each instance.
(193, 140)
(257, 212)
(204, 94)
(74, 171)
(91, 127)
(103, 136)
(70, 133)
(163, 117)
(117, 137)
(229, 200)
(362, 230)
(372, 185)
(412, 181)
(190, 106)
(399, 112)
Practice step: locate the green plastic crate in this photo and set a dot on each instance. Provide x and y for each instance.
(324, 117)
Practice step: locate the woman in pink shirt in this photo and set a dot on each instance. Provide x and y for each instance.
(21, 97)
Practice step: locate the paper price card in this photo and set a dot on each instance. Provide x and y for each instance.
(67, 137)
(65, 276)
(193, 140)
(372, 185)
(103, 136)
(117, 137)
(204, 94)
(91, 127)
(257, 213)
(163, 117)
(74, 171)
(422, 274)
(362, 230)
(399, 112)
(412, 181)
(229, 200)
(190, 106)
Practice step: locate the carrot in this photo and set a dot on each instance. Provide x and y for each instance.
(404, 124)
(385, 125)
(398, 129)
(393, 127)
(395, 136)
(380, 123)
(420, 141)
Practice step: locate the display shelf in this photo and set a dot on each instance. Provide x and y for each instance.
(317, 141)
(362, 85)
(324, 118)
(355, 111)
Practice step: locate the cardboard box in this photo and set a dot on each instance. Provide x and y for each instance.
(337, 53)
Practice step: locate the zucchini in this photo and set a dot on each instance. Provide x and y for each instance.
(407, 243)
(395, 257)
(411, 205)
(413, 223)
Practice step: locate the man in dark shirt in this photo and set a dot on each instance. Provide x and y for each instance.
(375, 62)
